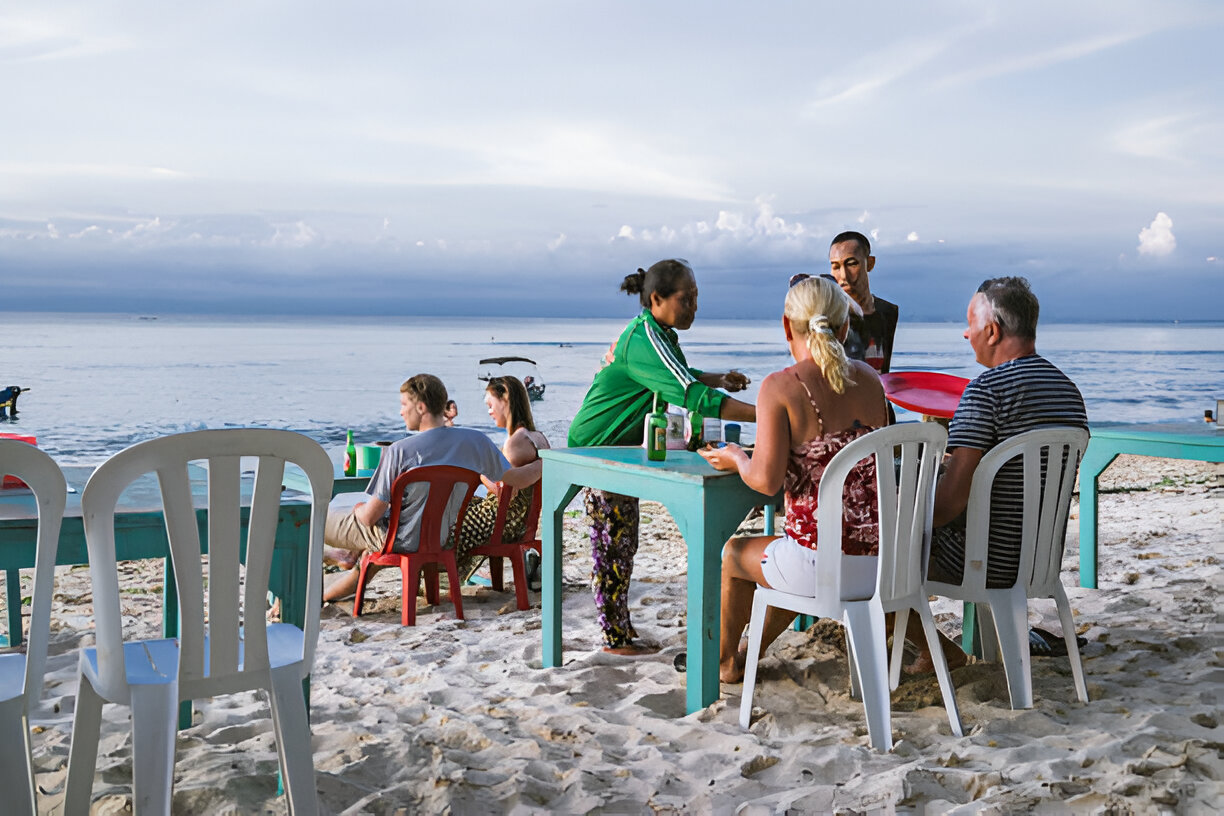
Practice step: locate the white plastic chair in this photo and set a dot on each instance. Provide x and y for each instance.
(906, 503)
(214, 654)
(1047, 500)
(21, 675)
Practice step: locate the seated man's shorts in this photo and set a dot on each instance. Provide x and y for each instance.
(344, 531)
(790, 567)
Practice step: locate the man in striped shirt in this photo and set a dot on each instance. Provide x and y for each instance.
(1019, 392)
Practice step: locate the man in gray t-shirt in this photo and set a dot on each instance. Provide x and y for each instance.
(364, 528)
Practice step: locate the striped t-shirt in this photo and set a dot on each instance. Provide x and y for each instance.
(1018, 396)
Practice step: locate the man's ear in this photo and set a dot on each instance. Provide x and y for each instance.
(994, 333)
(870, 263)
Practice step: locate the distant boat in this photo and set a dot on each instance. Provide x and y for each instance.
(520, 367)
(8, 400)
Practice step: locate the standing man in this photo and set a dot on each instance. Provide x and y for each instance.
(871, 334)
(364, 529)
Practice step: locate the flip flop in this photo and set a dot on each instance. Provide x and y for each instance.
(533, 570)
(1048, 644)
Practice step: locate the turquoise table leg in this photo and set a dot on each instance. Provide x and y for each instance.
(704, 575)
(12, 589)
(557, 492)
(971, 643)
(1096, 459)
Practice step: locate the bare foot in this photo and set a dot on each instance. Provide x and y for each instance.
(923, 664)
(345, 559)
(734, 673)
(631, 650)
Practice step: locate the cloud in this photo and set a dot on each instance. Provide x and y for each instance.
(1041, 59)
(763, 225)
(884, 67)
(1157, 239)
(1159, 138)
(912, 237)
(556, 243)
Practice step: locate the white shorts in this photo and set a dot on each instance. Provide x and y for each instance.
(790, 567)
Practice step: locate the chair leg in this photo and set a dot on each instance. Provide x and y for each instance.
(154, 727)
(292, 725)
(518, 565)
(1010, 610)
(865, 627)
(83, 749)
(1073, 653)
(431, 583)
(496, 579)
(452, 575)
(410, 579)
(16, 773)
(359, 593)
(756, 631)
(900, 624)
(946, 688)
(987, 637)
(856, 688)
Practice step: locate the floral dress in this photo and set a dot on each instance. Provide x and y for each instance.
(804, 469)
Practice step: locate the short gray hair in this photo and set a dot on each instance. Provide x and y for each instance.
(1012, 305)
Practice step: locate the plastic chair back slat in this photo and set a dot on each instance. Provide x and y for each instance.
(261, 542)
(224, 561)
(183, 531)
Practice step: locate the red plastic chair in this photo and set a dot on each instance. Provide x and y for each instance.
(430, 553)
(516, 550)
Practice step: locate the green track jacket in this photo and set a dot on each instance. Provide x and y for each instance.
(645, 360)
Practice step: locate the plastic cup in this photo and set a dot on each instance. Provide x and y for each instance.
(368, 456)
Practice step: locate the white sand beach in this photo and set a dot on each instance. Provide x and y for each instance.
(459, 717)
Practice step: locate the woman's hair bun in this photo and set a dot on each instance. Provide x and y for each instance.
(633, 284)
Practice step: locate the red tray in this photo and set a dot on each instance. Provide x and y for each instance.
(13, 481)
(932, 393)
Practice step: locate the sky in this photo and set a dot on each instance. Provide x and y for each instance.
(484, 158)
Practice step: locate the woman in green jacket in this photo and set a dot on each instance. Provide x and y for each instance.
(645, 360)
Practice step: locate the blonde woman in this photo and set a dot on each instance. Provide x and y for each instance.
(806, 413)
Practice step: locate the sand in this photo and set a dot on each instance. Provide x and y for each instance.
(458, 716)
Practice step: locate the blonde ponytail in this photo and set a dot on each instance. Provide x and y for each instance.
(817, 309)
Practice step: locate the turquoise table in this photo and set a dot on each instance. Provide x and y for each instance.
(296, 480)
(1201, 442)
(707, 505)
(140, 532)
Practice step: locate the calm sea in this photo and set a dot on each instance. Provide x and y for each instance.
(101, 382)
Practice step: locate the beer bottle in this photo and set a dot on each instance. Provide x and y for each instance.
(350, 456)
(656, 433)
(695, 437)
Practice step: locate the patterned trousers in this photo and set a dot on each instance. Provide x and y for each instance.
(613, 522)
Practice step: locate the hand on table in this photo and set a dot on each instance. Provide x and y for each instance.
(724, 458)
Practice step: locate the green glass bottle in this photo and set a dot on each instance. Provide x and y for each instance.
(350, 456)
(695, 439)
(656, 433)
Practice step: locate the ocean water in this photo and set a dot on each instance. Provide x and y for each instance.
(99, 383)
